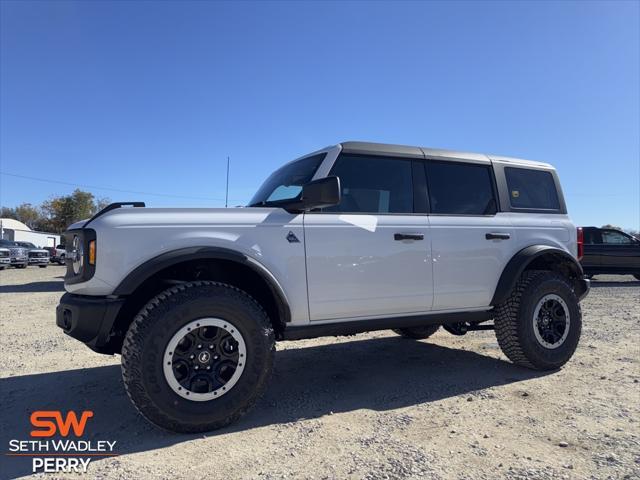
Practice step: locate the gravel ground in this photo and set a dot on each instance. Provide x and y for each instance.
(372, 406)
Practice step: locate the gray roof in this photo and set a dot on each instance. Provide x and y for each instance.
(422, 152)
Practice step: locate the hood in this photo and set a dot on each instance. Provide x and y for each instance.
(158, 217)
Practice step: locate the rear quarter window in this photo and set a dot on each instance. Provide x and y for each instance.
(531, 189)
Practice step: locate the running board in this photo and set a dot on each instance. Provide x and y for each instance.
(369, 325)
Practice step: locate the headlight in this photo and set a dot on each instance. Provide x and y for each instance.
(81, 255)
(77, 255)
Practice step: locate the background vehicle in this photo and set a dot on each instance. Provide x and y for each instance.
(5, 258)
(37, 256)
(19, 256)
(58, 254)
(352, 238)
(607, 250)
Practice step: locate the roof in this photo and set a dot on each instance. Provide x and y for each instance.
(13, 224)
(422, 152)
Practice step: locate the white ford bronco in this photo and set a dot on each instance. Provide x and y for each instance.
(351, 238)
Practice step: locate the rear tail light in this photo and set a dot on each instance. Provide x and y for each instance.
(580, 243)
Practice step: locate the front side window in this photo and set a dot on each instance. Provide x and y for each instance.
(460, 189)
(531, 189)
(286, 183)
(612, 237)
(372, 184)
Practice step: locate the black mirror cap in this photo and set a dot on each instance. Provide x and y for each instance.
(323, 192)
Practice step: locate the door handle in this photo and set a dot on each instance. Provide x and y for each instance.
(408, 236)
(497, 236)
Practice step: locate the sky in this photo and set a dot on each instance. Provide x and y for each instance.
(151, 97)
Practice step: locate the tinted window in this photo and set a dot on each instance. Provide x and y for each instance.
(613, 237)
(591, 236)
(460, 188)
(373, 184)
(286, 183)
(534, 189)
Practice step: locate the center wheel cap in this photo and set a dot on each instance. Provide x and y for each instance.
(204, 357)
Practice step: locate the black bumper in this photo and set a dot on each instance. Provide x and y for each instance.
(88, 319)
(584, 285)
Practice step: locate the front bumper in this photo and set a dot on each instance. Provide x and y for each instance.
(38, 260)
(19, 260)
(88, 319)
(5, 261)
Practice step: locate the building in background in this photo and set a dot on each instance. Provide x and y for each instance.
(11, 229)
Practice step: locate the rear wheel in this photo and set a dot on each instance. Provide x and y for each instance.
(539, 325)
(417, 333)
(198, 356)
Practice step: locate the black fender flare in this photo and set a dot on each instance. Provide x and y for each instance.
(519, 262)
(156, 264)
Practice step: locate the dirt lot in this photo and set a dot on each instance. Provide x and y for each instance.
(368, 406)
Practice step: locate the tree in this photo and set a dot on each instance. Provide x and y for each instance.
(28, 214)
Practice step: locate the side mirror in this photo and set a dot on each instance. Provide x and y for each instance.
(324, 192)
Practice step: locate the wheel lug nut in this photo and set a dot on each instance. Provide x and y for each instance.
(192, 356)
(196, 367)
(208, 367)
(199, 346)
(210, 347)
(215, 357)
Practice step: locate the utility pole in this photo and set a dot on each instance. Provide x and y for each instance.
(226, 197)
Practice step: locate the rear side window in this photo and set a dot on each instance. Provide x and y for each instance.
(531, 189)
(372, 184)
(460, 189)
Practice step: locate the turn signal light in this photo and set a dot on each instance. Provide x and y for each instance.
(92, 252)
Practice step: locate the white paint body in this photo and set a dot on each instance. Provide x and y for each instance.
(345, 266)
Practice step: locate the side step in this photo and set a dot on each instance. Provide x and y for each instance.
(369, 325)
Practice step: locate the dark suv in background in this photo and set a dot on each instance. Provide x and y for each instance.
(611, 251)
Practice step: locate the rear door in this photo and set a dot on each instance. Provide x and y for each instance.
(471, 241)
(371, 255)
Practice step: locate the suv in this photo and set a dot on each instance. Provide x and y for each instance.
(607, 250)
(37, 256)
(351, 238)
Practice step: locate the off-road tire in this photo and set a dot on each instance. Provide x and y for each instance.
(417, 333)
(144, 347)
(514, 321)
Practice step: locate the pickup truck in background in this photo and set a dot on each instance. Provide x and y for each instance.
(610, 251)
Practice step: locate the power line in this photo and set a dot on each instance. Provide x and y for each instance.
(168, 195)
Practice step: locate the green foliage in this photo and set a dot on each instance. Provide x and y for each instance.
(57, 213)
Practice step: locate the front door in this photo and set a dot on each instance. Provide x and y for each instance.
(370, 255)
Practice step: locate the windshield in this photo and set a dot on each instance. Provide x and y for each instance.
(286, 183)
(26, 244)
(7, 243)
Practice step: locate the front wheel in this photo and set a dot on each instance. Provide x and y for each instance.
(198, 356)
(539, 325)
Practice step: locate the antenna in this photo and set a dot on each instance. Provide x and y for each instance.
(226, 196)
